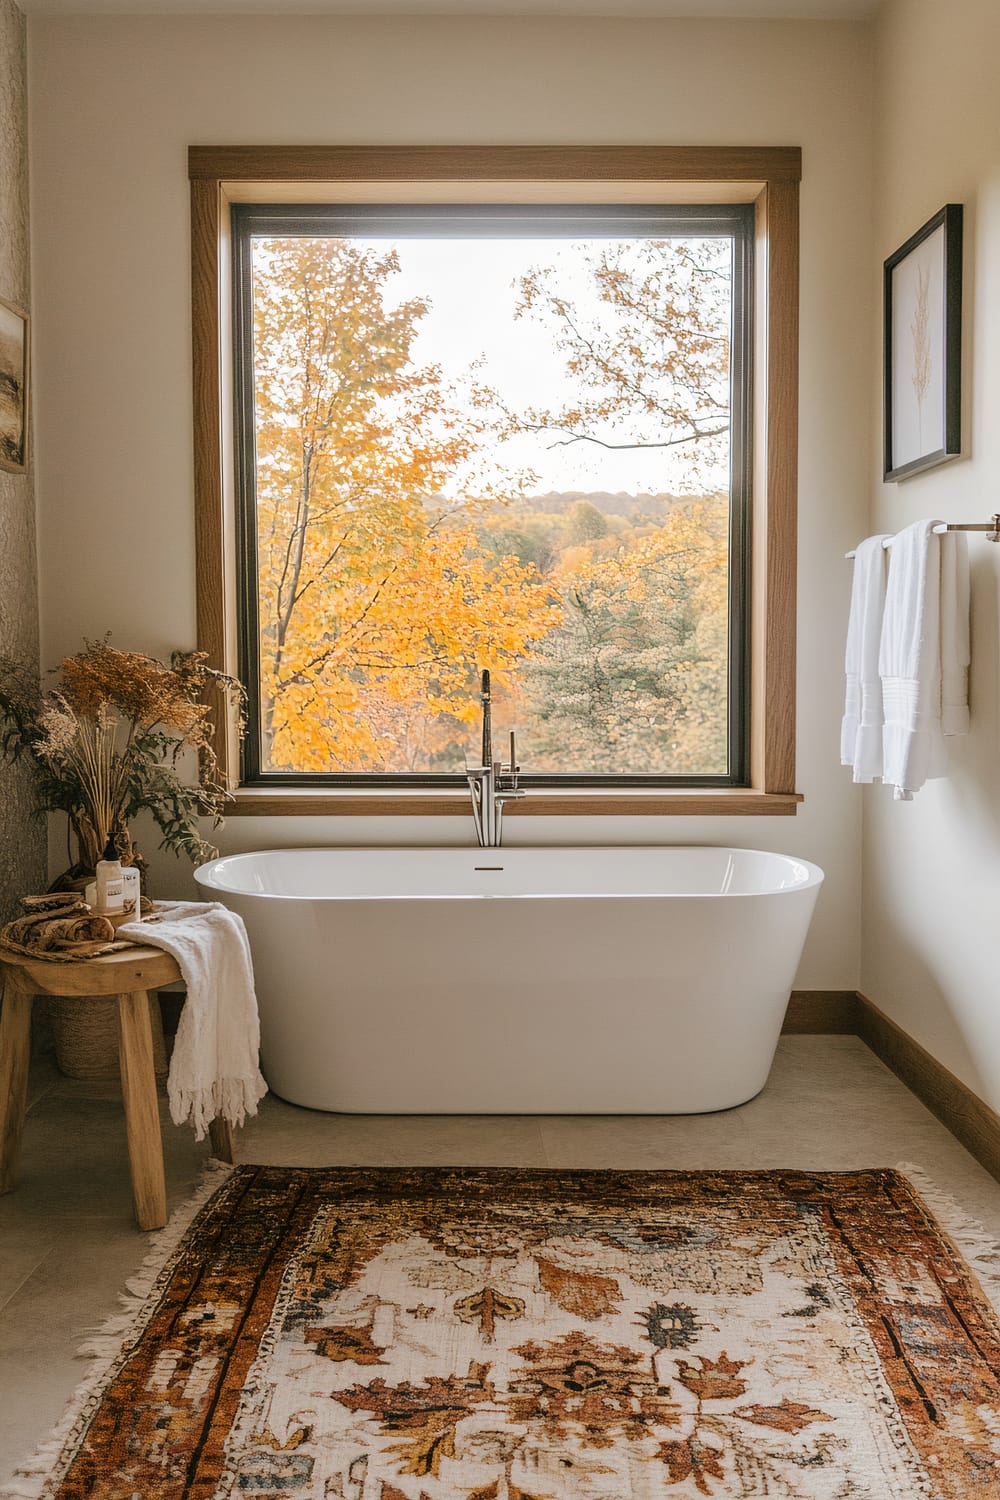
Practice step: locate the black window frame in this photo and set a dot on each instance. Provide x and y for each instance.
(656, 220)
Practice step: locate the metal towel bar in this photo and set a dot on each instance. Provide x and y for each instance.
(991, 528)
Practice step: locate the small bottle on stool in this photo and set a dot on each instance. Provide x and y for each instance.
(110, 884)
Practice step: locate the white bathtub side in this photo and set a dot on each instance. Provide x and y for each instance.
(579, 1005)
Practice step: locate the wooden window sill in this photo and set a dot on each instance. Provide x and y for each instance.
(718, 802)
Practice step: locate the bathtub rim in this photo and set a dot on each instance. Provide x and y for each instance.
(815, 874)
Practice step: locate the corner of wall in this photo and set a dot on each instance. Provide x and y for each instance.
(22, 837)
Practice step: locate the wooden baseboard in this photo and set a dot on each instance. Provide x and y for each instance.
(814, 1012)
(969, 1119)
(847, 1013)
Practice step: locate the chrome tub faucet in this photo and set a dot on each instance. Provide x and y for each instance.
(492, 783)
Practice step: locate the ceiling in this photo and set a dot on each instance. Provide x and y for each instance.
(608, 9)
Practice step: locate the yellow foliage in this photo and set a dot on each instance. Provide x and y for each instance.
(376, 602)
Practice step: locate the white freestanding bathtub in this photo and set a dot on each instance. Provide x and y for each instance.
(519, 981)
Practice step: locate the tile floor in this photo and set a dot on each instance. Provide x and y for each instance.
(68, 1242)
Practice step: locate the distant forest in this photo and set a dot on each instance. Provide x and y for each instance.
(632, 678)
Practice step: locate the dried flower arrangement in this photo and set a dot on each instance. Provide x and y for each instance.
(105, 742)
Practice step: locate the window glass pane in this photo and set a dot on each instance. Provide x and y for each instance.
(491, 451)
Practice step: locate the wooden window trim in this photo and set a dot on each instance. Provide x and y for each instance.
(768, 177)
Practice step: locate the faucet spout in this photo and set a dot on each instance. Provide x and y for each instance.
(486, 699)
(491, 784)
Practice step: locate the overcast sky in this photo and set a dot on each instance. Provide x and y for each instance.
(472, 287)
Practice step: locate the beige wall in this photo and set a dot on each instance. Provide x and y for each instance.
(931, 871)
(115, 103)
(22, 863)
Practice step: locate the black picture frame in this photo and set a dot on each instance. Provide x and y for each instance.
(922, 348)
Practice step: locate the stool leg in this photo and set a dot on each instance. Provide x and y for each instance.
(220, 1133)
(142, 1115)
(15, 1046)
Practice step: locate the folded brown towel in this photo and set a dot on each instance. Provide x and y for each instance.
(68, 930)
(52, 902)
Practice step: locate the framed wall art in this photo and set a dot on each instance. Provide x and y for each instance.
(923, 347)
(13, 388)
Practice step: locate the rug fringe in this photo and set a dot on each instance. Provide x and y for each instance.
(36, 1474)
(980, 1249)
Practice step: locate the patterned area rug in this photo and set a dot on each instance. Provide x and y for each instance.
(349, 1334)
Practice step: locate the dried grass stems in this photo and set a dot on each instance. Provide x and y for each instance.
(106, 741)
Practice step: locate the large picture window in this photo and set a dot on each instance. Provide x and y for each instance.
(531, 409)
(511, 439)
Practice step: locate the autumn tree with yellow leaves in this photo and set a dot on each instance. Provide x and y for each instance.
(377, 602)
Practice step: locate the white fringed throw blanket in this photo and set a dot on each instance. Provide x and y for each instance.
(214, 1070)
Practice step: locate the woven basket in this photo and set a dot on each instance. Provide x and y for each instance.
(85, 1029)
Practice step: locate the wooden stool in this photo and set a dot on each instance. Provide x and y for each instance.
(128, 975)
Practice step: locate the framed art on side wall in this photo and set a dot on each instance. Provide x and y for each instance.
(13, 388)
(923, 347)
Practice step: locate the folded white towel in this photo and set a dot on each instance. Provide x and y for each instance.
(861, 726)
(214, 1071)
(925, 619)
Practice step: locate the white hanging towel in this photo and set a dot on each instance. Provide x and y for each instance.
(214, 1072)
(925, 642)
(861, 726)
